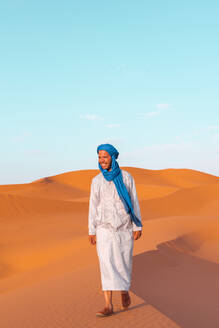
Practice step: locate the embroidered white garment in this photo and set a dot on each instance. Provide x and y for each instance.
(113, 228)
(107, 209)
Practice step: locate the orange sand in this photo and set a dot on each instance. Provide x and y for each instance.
(50, 273)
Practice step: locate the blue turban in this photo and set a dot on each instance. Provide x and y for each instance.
(115, 175)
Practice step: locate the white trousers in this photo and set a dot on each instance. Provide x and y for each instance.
(115, 251)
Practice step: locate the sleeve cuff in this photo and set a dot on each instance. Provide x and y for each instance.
(137, 228)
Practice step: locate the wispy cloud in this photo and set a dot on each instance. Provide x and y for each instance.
(114, 125)
(90, 117)
(159, 108)
(158, 150)
(213, 127)
(150, 114)
(21, 137)
(163, 106)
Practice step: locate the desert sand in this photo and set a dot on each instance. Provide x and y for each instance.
(49, 273)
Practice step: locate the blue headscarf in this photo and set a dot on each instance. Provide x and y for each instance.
(115, 175)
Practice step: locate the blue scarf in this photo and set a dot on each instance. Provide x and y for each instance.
(115, 175)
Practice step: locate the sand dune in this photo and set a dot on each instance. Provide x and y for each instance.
(79, 179)
(48, 265)
(21, 206)
(180, 178)
(182, 202)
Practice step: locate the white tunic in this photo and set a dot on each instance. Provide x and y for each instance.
(113, 228)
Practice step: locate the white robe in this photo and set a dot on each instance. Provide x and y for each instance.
(113, 228)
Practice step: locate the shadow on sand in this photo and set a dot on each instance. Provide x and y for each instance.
(182, 287)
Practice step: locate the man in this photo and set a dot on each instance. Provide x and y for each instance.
(114, 223)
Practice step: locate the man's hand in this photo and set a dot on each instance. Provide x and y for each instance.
(92, 239)
(137, 234)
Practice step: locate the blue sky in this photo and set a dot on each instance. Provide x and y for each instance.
(142, 75)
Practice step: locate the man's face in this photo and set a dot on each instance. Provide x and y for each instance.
(105, 159)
